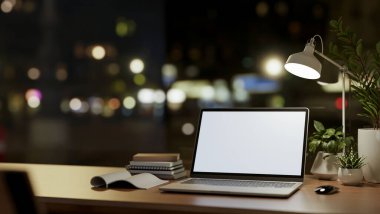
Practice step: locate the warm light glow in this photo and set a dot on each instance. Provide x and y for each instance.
(96, 105)
(84, 107)
(129, 102)
(33, 102)
(207, 93)
(188, 128)
(98, 52)
(146, 96)
(6, 6)
(75, 104)
(61, 74)
(136, 66)
(262, 8)
(34, 73)
(114, 103)
(222, 93)
(33, 93)
(192, 88)
(159, 96)
(15, 103)
(176, 96)
(33, 97)
(273, 66)
(302, 71)
(169, 74)
(241, 95)
(336, 87)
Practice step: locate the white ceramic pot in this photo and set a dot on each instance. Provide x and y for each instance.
(369, 148)
(350, 176)
(324, 166)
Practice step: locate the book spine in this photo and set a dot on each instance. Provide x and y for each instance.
(170, 172)
(133, 167)
(159, 157)
(150, 163)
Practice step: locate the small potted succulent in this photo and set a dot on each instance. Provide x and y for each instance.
(350, 168)
(328, 142)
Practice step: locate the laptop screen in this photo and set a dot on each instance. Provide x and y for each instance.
(251, 141)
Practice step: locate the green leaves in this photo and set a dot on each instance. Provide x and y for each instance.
(318, 126)
(329, 140)
(364, 67)
(350, 160)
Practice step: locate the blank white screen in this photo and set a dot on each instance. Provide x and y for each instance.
(262, 142)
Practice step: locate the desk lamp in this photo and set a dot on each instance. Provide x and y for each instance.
(304, 64)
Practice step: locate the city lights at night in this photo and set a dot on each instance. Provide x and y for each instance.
(111, 79)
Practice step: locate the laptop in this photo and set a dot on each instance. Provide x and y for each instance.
(255, 151)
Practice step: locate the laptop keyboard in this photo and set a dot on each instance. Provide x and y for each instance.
(240, 183)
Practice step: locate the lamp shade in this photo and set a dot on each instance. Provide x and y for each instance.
(304, 64)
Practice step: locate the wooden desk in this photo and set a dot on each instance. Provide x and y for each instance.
(65, 188)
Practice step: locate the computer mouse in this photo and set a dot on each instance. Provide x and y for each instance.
(326, 189)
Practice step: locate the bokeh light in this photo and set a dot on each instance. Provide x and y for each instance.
(139, 79)
(136, 66)
(6, 6)
(15, 103)
(208, 93)
(96, 105)
(98, 52)
(262, 9)
(146, 96)
(159, 96)
(33, 102)
(75, 104)
(61, 74)
(121, 28)
(114, 103)
(65, 106)
(33, 97)
(276, 101)
(33, 93)
(124, 27)
(188, 128)
(34, 73)
(169, 74)
(129, 102)
(176, 96)
(273, 66)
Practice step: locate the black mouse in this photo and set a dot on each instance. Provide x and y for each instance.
(326, 189)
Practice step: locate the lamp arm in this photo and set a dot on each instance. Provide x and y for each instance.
(342, 68)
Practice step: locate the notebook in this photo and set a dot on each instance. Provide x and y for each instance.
(256, 151)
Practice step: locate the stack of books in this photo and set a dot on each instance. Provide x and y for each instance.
(163, 165)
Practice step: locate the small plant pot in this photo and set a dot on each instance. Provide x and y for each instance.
(324, 166)
(351, 177)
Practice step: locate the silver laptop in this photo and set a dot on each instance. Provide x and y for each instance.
(256, 151)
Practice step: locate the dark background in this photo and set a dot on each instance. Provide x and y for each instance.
(211, 45)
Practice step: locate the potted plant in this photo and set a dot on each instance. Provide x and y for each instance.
(328, 142)
(364, 72)
(350, 168)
